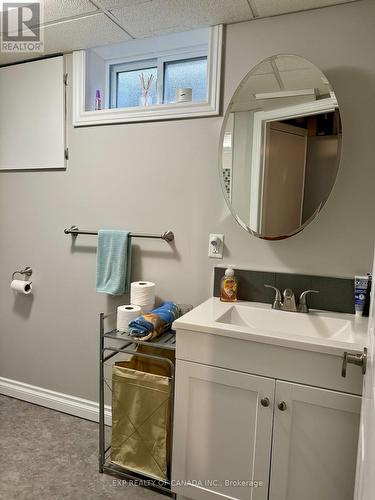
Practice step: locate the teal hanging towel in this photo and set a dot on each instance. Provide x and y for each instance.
(113, 261)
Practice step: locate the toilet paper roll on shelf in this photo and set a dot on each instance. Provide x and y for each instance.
(126, 314)
(148, 308)
(21, 286)
(142, 293)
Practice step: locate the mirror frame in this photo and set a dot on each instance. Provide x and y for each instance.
(261, 118)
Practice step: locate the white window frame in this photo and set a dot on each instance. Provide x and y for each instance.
(168, 111)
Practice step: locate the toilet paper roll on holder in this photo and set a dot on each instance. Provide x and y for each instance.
(26, 272)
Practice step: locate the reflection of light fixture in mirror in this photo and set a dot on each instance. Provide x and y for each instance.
(285, 93)
(333, 95)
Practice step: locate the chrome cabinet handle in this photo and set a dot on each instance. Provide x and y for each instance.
(354, 359)
(282, 406)
(265, 402)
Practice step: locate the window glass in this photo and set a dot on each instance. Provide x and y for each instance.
(186, 73)
(129, 87)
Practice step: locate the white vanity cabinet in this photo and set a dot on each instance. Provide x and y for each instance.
(314, 445)
(246, 411)
(221, 431)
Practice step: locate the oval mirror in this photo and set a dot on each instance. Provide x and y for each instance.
(280, 147)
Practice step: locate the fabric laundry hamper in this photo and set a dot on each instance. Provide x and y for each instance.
(141, 413)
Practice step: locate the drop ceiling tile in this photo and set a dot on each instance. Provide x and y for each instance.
(258, 83)
(163, 16)
(263, 68)
(304, 79)
(58, 9)
(289, 62)
(81, 33)
(274, 7)
(119, 4)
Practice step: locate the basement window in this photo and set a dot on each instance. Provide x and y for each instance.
(191, 73)
(126, 90)
(165, 77)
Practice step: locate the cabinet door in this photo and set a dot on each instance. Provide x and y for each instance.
(222, 433)
(314, 444)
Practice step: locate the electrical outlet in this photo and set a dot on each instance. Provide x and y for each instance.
(216, 246)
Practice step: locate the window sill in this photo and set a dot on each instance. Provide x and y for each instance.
(153, 112)
(144, 114)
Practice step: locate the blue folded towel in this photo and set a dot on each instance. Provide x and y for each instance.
(153, 324)
(113, 262)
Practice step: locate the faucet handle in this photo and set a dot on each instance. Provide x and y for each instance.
(303, 307)
(277, 303)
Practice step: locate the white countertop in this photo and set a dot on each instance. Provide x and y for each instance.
(318, 331)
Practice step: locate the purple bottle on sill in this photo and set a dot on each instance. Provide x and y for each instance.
(98, 101)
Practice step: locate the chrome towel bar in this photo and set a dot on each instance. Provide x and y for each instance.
(167, 236)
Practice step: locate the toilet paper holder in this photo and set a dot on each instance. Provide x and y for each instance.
(26, 272)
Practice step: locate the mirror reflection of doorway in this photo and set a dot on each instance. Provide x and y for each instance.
(283, 179)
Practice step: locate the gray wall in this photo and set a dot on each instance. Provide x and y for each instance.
(156, 176)
(321, 170)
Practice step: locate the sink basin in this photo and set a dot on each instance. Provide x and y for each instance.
(285, 323)
(320, 331)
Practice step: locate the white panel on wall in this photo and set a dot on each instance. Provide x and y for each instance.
(32, 115)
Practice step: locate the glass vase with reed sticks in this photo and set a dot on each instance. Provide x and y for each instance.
(146, 83)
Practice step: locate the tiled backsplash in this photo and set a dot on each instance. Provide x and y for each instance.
(336, 294)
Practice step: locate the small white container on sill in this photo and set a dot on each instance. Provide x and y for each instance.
(184, 95)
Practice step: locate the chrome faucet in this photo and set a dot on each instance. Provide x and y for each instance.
(303, 306)
(287, 302)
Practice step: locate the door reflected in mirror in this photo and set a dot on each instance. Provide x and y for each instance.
(281, 143)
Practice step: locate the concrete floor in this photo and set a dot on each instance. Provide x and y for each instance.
(48, 455)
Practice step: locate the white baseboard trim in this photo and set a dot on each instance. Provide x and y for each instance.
(72, 405)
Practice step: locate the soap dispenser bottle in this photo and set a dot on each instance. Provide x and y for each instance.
(229, 285)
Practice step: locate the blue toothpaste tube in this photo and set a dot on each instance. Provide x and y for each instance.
(360, 293)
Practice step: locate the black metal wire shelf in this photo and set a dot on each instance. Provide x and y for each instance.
(129, 346)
